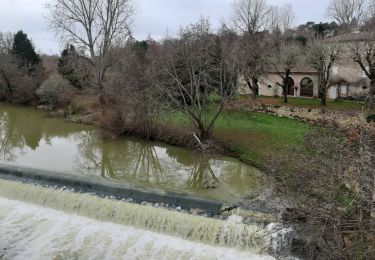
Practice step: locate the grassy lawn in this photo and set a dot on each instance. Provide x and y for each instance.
(314, 103)
(253, 137)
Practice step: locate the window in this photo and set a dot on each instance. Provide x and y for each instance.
(269, 86)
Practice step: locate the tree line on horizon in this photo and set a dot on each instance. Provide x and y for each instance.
(183, 72)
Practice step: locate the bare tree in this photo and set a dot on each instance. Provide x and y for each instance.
(321, 57)
(274, 18)
(371, 10)
(281, 18)
(286, 17)
(250, 16)
(197, 66)
(131, 91)
(287, 60)
(95, 26)
(363, 53)
(347, 13)
(369, 24)
(6, 42)
(253, 55)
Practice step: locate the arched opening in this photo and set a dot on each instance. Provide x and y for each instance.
(307, 87)
(290, 86)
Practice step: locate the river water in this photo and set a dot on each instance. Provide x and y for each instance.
(30, 138)
(45, 223)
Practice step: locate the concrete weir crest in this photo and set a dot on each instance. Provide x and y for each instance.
(106, 188)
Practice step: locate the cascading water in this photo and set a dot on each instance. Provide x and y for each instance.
(40, 222)
(32, 232)
(22, 223)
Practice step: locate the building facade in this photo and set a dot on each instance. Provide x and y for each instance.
(347, 80)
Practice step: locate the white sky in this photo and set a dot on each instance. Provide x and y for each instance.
(153, 17)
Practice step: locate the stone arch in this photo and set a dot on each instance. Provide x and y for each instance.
(307, 87)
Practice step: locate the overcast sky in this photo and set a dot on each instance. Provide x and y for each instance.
(154, 17)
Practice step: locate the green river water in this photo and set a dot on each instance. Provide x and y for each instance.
(30, 138)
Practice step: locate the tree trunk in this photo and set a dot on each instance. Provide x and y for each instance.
(101, 98)
(286, 84)
(285, 87)
(371, 94)
(100, 83)
(322, 92)
(253, 85)
(323, 101)
(204, 134)
(285, 97)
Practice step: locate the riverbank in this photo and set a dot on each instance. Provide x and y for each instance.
(252, 137)
(315, 164)
(249, 136)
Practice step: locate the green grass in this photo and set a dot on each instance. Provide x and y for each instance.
(310, 102)
(252, 137)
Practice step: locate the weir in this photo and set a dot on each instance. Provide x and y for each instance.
(93, 206)
(33, 232)
(105, 188)
(196, 228)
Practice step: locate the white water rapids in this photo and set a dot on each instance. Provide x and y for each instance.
(32, 232)
(42, 223)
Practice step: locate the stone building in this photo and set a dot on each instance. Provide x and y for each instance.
(347, 78)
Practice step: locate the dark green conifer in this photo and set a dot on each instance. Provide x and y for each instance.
(24, 50)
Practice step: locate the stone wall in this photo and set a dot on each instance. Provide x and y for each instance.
(317, 116)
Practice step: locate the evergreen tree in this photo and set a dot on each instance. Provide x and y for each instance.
(24, 50)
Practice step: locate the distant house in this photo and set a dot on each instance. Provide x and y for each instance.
(347, 78)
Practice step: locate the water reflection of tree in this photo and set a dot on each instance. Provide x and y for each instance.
(143, 162)
(11, 141)
(22, 128)
(148, 165)
(202, 175)
(121, 160)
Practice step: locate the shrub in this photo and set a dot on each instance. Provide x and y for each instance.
(76, 107)
(55, 91)
(18, 84)
(329, 185)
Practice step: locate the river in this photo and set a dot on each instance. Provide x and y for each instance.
(44, 223)
(30, 138)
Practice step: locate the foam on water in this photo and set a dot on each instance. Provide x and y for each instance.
(186, 226)
(32, 232)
